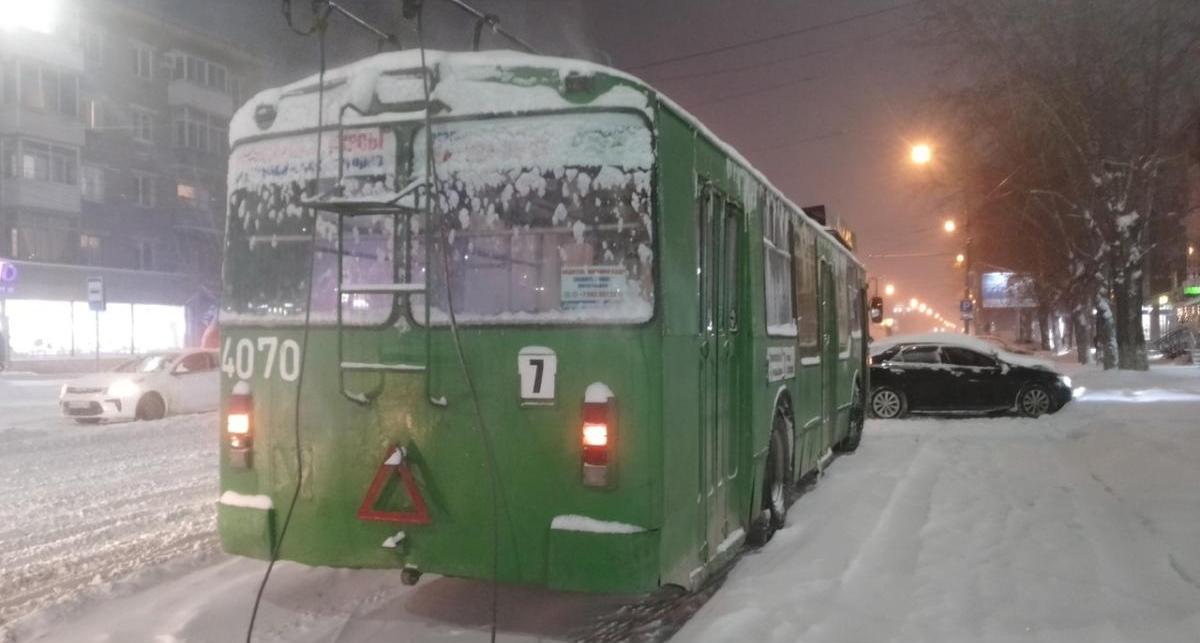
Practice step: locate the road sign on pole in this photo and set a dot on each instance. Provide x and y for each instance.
(95, 293)
(97, 302)
(967, 308)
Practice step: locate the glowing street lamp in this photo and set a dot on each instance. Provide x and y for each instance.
(921, 154)
(929, 312)
(35, 16)
(913, 303)
(889, 290)
(949, 226)
(960, 258)
(922, 307)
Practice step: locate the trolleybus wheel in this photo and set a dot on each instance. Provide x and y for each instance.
(150, 407)
(857, 413)
(776, 491)
(1034, 401)
(888, 403)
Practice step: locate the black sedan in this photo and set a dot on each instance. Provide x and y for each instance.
(948, 378)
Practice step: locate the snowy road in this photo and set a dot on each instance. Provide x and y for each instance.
(1079, 527)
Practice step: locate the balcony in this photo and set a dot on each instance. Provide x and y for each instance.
(46, 126)
(23, 194)
(181, 93)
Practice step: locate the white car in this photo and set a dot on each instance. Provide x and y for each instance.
(146, 388)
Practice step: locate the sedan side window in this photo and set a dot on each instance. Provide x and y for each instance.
(966, 357)
(194, 363)
(919, 355)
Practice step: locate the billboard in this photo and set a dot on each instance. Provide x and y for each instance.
(1007, 290)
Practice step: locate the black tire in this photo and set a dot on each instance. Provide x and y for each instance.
(888, 403)
(776, 491)
(1035, 401)
(151, 407)
(858, 412)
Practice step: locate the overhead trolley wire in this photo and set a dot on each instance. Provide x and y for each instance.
(773, 37)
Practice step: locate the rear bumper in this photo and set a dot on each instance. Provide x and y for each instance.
(615, 563)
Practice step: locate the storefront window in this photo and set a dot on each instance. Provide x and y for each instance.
(62, 328)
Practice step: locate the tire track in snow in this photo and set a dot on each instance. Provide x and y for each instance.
(83, 506)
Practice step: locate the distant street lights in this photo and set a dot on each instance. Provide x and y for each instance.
(921, 154)
(959, 259)
(889, 290)
(949, 226)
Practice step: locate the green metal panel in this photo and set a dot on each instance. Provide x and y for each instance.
(663, 465)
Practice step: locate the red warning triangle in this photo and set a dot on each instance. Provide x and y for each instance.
(395, 462)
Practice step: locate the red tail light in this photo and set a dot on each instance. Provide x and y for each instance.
(595, 443)
(597, 436)
(239, 425)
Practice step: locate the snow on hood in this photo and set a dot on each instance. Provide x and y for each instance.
(965, 341)
(466, 82)
(103, 380)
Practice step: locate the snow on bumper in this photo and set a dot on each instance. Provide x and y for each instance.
(246, 524)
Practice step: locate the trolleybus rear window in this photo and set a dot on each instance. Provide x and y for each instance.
(548, 220)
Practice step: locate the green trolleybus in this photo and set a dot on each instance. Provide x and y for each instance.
(508, 310)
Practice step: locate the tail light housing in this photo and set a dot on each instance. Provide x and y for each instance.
(239, 425)
(598, 437)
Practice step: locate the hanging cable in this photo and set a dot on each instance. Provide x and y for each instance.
(432, 189)
(319, 27)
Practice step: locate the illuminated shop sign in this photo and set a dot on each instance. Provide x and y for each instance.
(8, 276)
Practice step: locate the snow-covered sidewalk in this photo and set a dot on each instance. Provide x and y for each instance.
(1083, 526)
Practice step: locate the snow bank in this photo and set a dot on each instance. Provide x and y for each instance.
(592, 526)
(235, 499)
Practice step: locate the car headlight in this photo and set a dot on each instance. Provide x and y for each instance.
(124, 388)
(1066, 380)
(62, 392)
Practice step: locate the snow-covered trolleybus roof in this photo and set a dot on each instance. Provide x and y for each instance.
(389, 88)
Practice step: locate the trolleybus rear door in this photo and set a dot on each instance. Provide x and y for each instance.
(829, 352)
(718, 242)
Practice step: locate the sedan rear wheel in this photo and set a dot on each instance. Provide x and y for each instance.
(887, 403)
(1034, 401)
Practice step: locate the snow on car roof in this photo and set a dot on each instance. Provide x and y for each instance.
(959, 339)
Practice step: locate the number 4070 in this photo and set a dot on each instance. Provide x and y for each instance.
(239, 360)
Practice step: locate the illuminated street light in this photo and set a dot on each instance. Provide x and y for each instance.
(913, 303)
(889, 290)
(35, 16)
(929, 312)
(960, 258)
(1191, 250)
(921, 154)
(949, 226)
(922, 307)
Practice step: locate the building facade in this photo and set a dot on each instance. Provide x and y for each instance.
(113, 144)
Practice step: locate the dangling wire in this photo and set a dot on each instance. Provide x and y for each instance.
(432, 189)
(319, 27)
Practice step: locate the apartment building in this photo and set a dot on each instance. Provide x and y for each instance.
(113, 144)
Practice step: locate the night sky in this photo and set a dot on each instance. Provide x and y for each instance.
(827, 113)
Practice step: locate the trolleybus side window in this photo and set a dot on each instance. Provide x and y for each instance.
(729, 287)
(547, 220)
(804, 269)
(778, 267)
